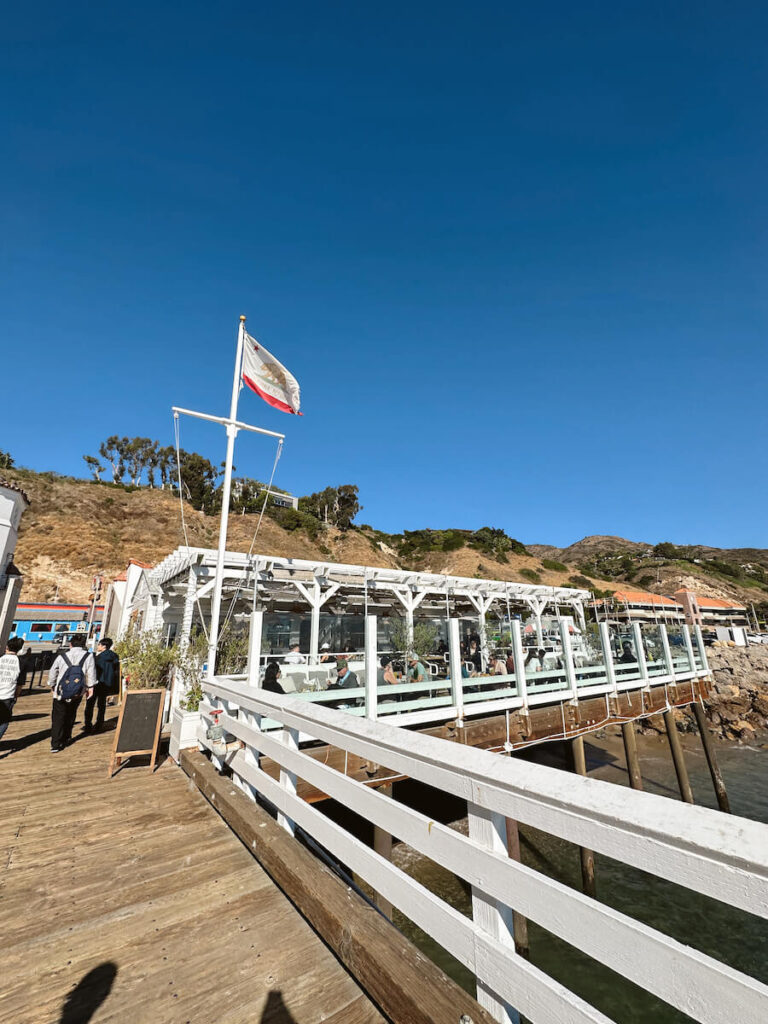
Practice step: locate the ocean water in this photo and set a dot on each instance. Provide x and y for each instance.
(734, 937)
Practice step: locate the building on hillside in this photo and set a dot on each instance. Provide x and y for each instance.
(638, 606)
(710, 612)
(57, 623)
(13, 502)
(316, 603)
(120, 594)
(280, 499)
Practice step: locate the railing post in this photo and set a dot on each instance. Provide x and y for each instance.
(667, 651)
(371, 672)
(702, 649)
(290, 737)
(570, 668)
(457, 683)
(605, 644)
(689, 647)
(640, 654)
(489, 830)
(519, 659)
(256, 627)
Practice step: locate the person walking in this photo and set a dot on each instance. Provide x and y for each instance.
(107, 680)
(72, 674)
(10, 681)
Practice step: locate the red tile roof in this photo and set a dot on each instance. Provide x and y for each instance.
(641, 597)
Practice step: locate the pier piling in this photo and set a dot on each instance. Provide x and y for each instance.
(676, 748)
(630, 750)
(587, 856)
(709, 751)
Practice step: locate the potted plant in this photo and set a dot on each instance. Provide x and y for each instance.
(185, 716)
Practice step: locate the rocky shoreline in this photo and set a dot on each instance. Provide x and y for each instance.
(738, 706)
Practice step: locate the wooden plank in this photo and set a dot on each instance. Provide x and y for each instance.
(408, 987)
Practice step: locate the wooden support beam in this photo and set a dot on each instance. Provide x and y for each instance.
(630, 750)
(382, 844)
(408, 987)
(587, 856)
(519, 923)
(709, 751)
(678, 759)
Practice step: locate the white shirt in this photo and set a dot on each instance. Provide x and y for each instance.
(9, 676)
(294, 658)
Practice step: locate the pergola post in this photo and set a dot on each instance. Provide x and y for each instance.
(314, 631)
(457, 683)
(371, 668)
(255, 631)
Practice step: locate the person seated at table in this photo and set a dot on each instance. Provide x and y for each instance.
(271, 677)
(294, 657)
(345, 678)
(498, 666)
(534, 656)
(385, 674)
(627, 654)
(474, 655)
(510, 664)
(325, 652)
(416, 671)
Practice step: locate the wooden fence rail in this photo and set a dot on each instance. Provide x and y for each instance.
(723, 857)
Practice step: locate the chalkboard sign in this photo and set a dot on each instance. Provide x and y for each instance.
(138, 727)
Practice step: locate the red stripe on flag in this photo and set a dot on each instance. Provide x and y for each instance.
(283, 406)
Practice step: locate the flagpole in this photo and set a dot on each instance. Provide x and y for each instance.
(213, 635)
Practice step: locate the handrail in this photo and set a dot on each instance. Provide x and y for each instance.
(724, 857)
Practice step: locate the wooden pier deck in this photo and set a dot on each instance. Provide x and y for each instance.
(131, 900)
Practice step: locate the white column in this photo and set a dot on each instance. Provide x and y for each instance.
(314, 632)
(637, 633)
(689, 647)
(454, 652)
(489, 830)
(605, 643)
(189, 609)
(371, 674)
(255, 630)
(518, 653)
(570, 669)
(667, 651)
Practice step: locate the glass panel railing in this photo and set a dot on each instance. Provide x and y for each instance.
(544, 670)
(678, 650)
(588, 659)
(625, 659)
(495, 682)
(653, 645)
(698, 654)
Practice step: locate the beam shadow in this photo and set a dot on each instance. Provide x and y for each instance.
(275, 1011)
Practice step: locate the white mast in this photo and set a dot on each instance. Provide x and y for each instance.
(233, 425)
(213, 634)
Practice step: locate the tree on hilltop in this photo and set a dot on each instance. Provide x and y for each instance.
(6, 460)
(94, 466)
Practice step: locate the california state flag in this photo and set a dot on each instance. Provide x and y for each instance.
(270, 380)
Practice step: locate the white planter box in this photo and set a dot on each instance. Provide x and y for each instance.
(183, 731)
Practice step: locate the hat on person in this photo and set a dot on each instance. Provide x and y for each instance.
(340, 664)
(413, 657)
(325, 647)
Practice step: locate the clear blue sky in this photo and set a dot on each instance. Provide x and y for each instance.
(515, 254)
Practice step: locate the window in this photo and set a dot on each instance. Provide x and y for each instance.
(61, 627)
(41, 627)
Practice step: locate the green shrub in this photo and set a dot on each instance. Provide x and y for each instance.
(531, 575)
(580, 581)
(551, 564)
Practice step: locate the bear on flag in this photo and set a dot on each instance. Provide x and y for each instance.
(270, 380)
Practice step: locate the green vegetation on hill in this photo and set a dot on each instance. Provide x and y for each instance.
(413, 545)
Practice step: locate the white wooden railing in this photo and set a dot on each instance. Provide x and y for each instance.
(721, 856)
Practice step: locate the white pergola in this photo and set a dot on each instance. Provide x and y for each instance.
(184, 581)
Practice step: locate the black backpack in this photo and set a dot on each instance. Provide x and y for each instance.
(72, 683)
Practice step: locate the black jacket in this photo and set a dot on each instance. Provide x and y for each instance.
(108, 669)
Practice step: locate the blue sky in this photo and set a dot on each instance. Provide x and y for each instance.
(515, 254)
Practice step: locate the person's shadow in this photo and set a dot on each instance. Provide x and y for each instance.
(88, 994)
(275, 1011)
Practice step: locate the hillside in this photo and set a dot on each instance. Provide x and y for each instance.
(75, 528)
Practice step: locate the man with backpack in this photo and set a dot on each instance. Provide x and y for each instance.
(72, 674)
